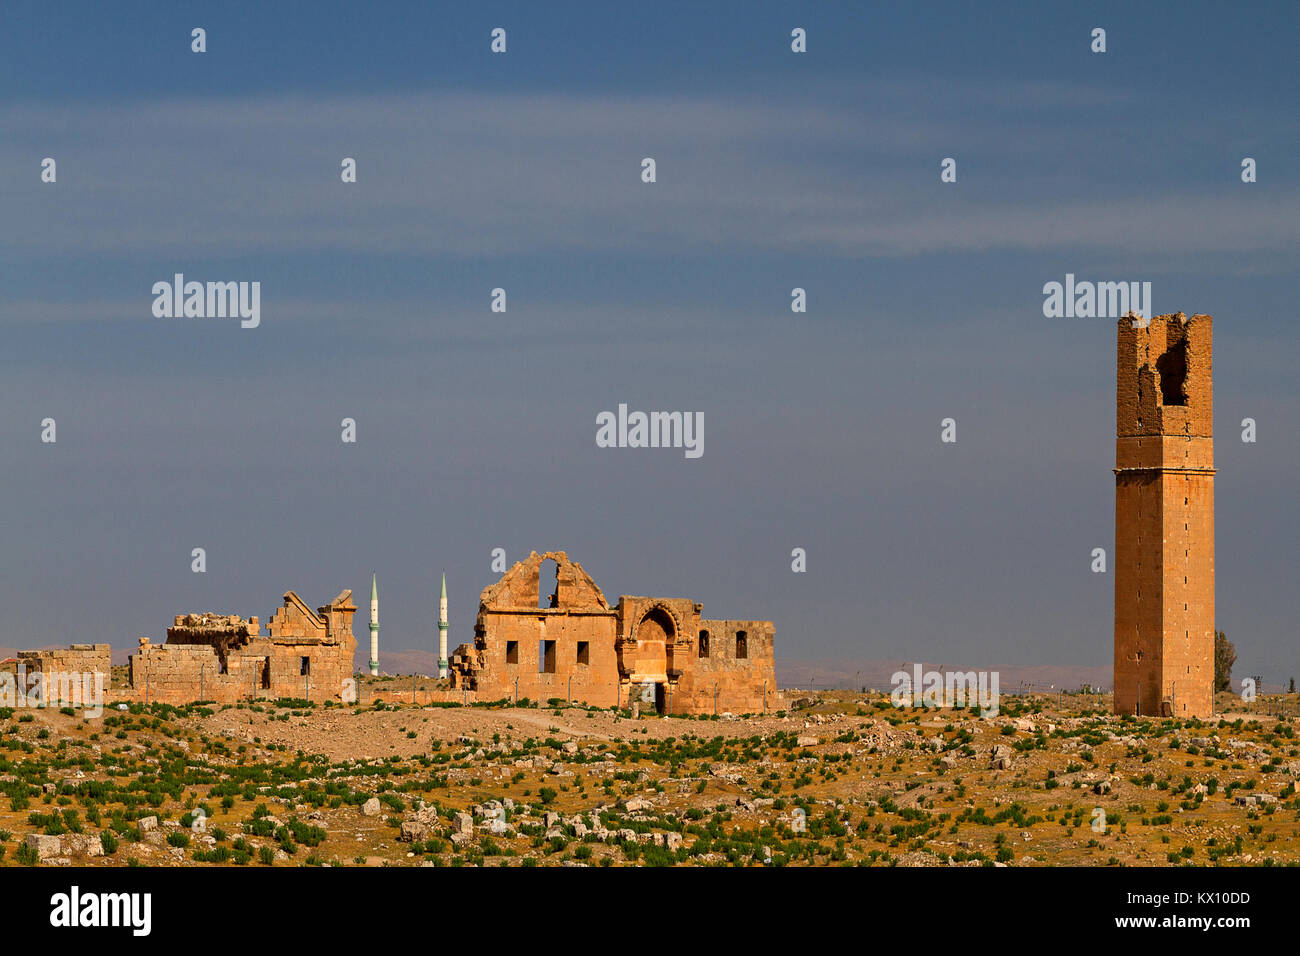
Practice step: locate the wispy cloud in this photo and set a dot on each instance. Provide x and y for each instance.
(478, 175)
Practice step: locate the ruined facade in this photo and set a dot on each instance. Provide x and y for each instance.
(223, 657)
(1164, 518)
(655, 652)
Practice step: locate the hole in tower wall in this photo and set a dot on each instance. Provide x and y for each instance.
(1172, 367)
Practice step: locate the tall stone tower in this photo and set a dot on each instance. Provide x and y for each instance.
(1164, 518)
(442, 629)
(374, 627)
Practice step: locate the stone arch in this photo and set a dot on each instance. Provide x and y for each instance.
(663, 617)
(646, 654)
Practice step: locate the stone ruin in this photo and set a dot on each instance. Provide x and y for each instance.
(654, 653)
(224, 658)
(78, 658)
(68, 673)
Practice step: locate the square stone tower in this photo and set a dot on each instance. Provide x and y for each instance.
(1164, 518)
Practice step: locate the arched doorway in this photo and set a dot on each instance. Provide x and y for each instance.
(649, 663)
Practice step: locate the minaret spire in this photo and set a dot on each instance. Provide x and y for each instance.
(374, 627)
(442, 629)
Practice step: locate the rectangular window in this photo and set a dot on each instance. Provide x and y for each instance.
(306, 666)
(584, 652)
(512, 652)
(548, 657)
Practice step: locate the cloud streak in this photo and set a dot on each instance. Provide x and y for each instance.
(474, 175)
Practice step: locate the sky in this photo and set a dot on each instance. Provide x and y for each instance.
(774, 170)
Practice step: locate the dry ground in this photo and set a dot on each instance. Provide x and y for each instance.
(845, 779)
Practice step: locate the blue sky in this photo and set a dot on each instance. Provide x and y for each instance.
(476, 430)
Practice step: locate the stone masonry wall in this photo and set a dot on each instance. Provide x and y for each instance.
(69, 674)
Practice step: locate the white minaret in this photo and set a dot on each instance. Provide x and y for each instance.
(442, 629)
(374, 628)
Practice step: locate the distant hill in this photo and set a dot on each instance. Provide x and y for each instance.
(878, 674)
(398, 662)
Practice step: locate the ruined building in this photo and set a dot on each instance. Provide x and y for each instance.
(655, 652)
(223, 657)
(1164, 518)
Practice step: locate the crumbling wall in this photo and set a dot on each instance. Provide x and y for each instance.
(224, 633)
(68, 674)
(518, 587)
(79, 658)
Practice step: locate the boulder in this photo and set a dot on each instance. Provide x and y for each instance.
(46, 847)
(413, 831)
(1001, 758)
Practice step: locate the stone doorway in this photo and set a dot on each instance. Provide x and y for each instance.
(648, 661)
